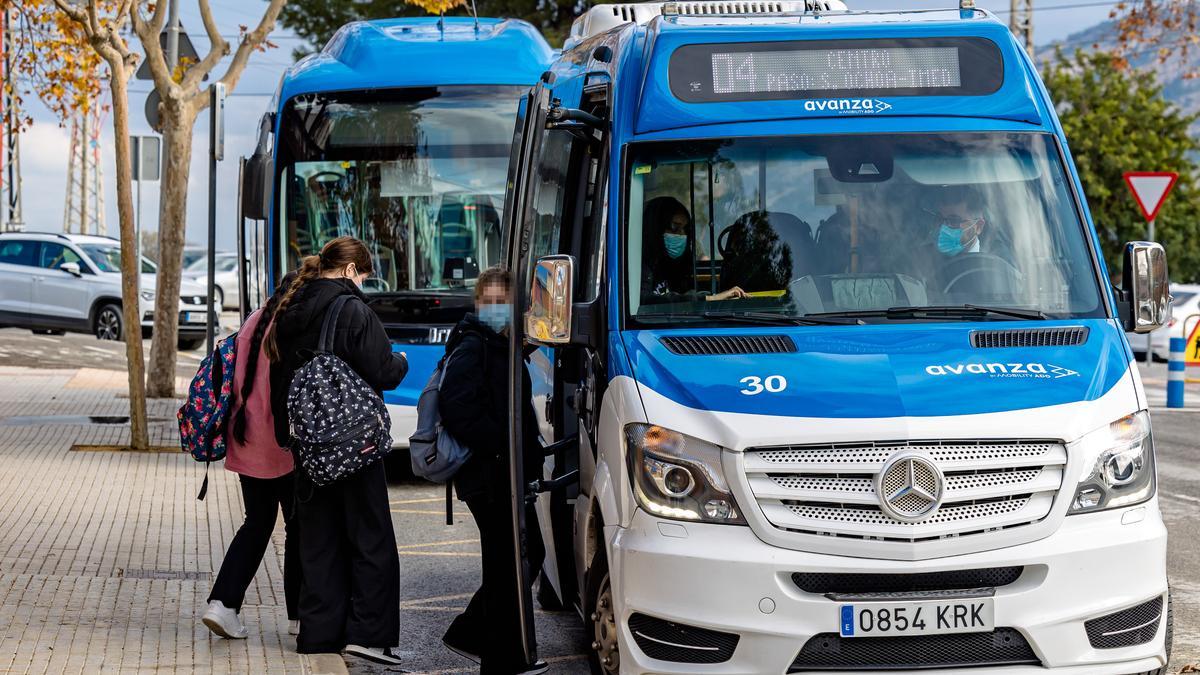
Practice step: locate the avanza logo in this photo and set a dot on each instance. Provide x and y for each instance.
(1047, 371)
(847, 106)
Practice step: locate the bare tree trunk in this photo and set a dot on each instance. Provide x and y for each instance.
(130, 266)
(178, 120)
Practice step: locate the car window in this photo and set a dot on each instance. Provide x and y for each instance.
(54, 255)
(18, 252)
(227, 265)
(108, 258)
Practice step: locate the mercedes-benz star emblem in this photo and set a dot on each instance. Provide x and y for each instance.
(909, 487)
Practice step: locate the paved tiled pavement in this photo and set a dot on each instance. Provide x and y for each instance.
(106, 557)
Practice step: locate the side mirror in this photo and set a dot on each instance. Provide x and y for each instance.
(256, 186)
(1146, 287)
(551, 294)
(71, 268)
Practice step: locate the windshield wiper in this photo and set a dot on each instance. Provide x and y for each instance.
(780, 319)
(938, 311)
(756, 318)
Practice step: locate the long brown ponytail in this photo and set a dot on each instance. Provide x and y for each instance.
(335, 255)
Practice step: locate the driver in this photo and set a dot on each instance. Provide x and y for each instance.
(960, 222)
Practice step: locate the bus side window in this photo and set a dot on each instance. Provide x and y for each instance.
(549, 190)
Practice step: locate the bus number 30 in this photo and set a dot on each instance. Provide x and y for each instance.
(755, 385)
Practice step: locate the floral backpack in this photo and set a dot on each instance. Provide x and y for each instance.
(210, 397)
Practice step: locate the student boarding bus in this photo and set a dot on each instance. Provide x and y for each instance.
(836, 378)
(397, 133)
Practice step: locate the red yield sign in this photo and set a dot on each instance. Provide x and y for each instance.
(1150, 189)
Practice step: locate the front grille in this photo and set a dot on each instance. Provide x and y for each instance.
(951, 580)
(699, 345)
(1126, 628)
(680, 643)
(830, 489)
(196, 300)
(1066, 336)
(829, 651)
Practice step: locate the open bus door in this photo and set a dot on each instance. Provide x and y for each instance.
(531, 118)
(255, 176)
(557, 211)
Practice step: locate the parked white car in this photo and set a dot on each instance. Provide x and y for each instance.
(53, 283)
(1185, 303)
(226, 292)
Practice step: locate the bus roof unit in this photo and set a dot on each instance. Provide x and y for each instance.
(423, 51)
(603, 18)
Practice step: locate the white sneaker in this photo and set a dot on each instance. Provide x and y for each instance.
(224, 621)
(536, 668)
(382, 655)
(294, 627)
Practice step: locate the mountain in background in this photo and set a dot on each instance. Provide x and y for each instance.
(1177, 88)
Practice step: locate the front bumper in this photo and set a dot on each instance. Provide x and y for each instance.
(404, 423)
(191, 318)
(719, 577)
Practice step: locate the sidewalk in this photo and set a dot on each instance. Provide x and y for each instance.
(105, 557)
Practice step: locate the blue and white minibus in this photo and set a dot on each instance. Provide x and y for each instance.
(832, 374)
(397, 132)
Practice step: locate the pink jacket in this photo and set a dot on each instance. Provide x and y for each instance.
(260, 456)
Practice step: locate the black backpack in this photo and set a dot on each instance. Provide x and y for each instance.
(338, 424)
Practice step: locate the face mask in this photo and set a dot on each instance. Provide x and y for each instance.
(496, 316)
(950, 240)
(675, 244)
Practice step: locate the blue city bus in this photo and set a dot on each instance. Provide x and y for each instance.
(398, 133)
(835, 377)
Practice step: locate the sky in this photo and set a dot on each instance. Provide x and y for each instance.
(45, 145)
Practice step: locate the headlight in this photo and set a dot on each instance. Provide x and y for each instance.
(678, 477)
(148, 296)
(1123, 471)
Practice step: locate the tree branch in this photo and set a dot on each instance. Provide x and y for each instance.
(156, 60)
(252, 41)
(218, 49)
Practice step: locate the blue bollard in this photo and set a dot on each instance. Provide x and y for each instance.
(1176, 367)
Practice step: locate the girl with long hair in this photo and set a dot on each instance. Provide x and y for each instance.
(265, 471)
(350, 598)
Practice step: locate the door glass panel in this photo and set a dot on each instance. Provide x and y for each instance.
(18, 252)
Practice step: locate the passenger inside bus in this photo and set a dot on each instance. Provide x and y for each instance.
(668, 244)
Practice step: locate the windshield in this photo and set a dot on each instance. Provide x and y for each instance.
(418, 174)
(854, 225)
(107, 258)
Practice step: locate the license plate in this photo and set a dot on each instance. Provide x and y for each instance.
(931, 617)
(193, 317)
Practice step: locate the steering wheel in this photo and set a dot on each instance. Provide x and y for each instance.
(967, 265)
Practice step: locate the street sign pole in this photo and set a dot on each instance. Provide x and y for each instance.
(216, 152)
(137, 217)
(1149, 339)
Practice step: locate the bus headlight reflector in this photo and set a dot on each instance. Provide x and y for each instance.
(677, 476)
(1122, 471)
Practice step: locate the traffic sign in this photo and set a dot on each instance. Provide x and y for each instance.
(1150, 189)
(187, 53)
(1191, 352)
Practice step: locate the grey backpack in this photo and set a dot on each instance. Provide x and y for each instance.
(435, 454)
(339, 425)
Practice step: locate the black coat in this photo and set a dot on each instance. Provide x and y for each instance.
(473, 402)
(359, 340)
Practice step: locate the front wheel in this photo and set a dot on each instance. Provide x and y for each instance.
(108, 323)
(600, 620)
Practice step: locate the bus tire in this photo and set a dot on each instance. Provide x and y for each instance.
(600, 619)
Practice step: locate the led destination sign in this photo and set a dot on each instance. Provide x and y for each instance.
(841, 69)
(819, 69)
